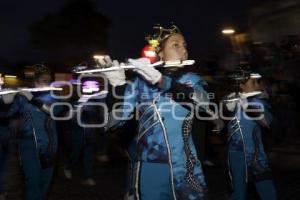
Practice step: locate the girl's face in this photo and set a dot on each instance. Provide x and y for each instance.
(174, 48)
(43, 81)
(250, 86)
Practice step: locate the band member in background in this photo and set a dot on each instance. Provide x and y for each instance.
(84, 128)
(250, 118)
(4, 141)
(37, 137)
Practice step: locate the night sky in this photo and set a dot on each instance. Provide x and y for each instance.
(200, 21)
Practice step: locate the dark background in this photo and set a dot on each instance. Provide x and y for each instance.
(127, 23)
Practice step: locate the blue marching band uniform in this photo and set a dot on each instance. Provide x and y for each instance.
(81, 144)
(251, 117)
(166, 166)
(84, 127)
(164, 159)
(246, 155)
(37, 141)
(4, 151)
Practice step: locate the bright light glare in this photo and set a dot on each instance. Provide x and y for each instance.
(228, 31)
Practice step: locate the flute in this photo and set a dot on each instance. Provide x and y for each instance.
(99, 95)
(238, 96)
(85, 69)
(41, 89)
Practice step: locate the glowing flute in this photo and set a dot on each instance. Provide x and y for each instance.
(41, 89)
(84, 69)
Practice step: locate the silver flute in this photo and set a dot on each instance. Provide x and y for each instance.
(41, 89)
(99, 69)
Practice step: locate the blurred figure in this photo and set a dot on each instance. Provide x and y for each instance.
(4, 140)
(250, 116)
(37, 138)
(4, 148)
(84, 130)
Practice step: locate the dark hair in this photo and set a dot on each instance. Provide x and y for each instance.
(239, 76)
(39, 70)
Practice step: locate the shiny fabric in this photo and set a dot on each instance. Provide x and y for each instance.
(160, 136)
(245, 135)
(37, 141)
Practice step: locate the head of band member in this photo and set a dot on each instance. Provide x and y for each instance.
(252, 84)
(246, 80)
(42, 76)
(169, 43)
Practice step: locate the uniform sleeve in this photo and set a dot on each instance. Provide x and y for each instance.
(260, 110)
(17, 105)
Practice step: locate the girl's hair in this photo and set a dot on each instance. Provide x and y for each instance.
(239, 76)
(40, 69)
(160, 35)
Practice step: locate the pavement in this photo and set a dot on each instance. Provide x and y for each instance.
(111, 179)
